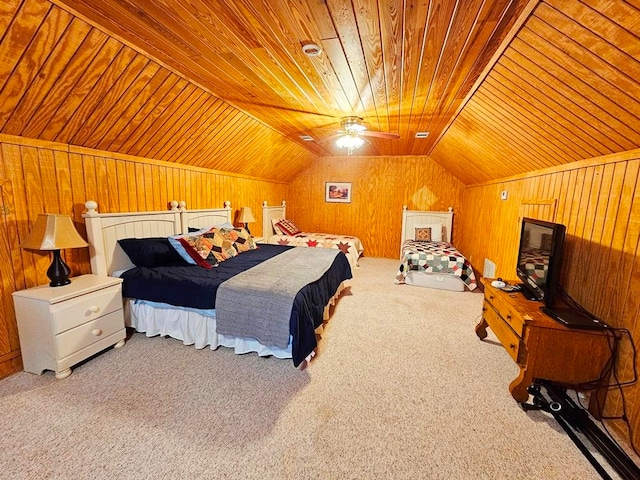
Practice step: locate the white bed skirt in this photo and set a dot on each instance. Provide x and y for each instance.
(435, 280)
(193, 327)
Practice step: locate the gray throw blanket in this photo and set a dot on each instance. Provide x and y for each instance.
(257, 303)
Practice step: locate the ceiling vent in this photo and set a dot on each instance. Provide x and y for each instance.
(306, 138)
(422, 134)
(311, 49)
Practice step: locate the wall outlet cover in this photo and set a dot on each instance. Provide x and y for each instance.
(489, 270)
(504, 194)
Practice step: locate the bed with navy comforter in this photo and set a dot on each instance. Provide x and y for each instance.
(194, 288)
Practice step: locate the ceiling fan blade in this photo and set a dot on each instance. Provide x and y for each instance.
(249, 106)
(332, 137)
(370, 133)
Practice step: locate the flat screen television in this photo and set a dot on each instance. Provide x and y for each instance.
(540, 259)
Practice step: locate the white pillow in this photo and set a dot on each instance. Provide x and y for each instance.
(276, 228)
(436, 230)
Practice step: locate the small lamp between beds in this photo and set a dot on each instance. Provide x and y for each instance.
(55, 232)
(246, 217)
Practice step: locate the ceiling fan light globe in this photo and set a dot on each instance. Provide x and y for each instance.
(350, 142)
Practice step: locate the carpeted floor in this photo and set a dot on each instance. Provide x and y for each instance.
(401, 389)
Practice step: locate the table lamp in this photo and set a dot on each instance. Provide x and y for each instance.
(55, 232)
(246, 216)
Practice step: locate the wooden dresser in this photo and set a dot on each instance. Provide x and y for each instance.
(542, 347)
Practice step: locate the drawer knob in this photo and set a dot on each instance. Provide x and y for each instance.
(94, 309)
(97, 332)
(512, 346)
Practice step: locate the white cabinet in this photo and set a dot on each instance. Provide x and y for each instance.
(61, 326)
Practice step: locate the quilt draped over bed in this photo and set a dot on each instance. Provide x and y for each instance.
(350, 246)
(257, 303)
(435, 257)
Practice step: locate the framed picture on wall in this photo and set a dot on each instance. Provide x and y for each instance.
(339, 192)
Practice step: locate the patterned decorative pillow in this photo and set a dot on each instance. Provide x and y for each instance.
(174, 240)
(436, 231)
(288, 227)
(212, 247)
(276, 228)
(242, 240)
(423, 234)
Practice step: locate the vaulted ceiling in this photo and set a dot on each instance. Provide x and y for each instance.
(503, 87)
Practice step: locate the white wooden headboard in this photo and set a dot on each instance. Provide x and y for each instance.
(105, 229)
(269, 213)
(205, 217)
(415, 218)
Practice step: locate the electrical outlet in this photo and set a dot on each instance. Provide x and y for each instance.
(504, 194)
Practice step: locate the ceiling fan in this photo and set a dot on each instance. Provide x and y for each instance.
(350, 137)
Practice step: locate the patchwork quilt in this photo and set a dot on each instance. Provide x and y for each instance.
(350, 246)
(435, 257)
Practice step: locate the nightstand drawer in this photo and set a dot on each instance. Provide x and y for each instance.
(88, 333)
(72, 313)
(511, 342)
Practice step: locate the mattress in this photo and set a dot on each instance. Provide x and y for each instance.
(441, 281)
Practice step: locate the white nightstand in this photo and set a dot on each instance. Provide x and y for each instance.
(61, 326)
(259, 239)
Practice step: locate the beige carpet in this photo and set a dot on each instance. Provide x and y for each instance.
(401, 389)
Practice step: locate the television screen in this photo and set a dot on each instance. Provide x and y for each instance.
(540, 258)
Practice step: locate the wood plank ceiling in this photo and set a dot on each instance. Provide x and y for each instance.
(224, 84)
(566, 89)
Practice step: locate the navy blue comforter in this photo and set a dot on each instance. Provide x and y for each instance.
(196, 287)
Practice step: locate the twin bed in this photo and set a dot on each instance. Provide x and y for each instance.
(427, 258)
(266, 300)
(271, 215)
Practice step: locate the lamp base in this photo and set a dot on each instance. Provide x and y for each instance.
(59, 271)
(246, 227)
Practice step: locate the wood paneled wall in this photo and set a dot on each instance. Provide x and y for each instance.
(380, 187)
(599, 202)
(38, 177)
(10, 359)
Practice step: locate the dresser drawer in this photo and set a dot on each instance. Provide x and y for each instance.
(76, 311)
(508, 313)
(88, 333)
(508, 338)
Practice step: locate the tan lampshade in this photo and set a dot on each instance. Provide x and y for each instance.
(246, 216)
(53, 232)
